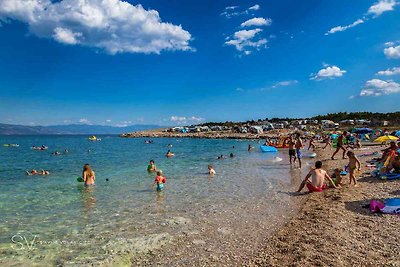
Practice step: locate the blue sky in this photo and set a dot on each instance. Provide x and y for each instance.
(182, 62)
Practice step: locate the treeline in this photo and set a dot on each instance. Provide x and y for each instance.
(393, 117)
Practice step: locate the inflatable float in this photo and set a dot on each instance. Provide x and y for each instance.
(11, 145)
(388, 206)
(309, 155)
(94, 138)
(268, 149)
(390, 176)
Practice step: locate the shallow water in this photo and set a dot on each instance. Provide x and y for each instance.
(55, 220)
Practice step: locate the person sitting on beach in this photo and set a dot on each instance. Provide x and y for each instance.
(32, 172)
(394, 165)
(169, 154)
(340, 145)
(88, 175)
(354, 164)
(159, 181)
(337, 177)
(151, 167)
(317, 182)
(211, 170)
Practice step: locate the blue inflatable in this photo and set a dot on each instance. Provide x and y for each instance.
(268, 149)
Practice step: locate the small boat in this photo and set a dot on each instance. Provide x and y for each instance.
(94, 138)
(265, 148)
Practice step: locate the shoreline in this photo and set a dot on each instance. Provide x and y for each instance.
(333, 229)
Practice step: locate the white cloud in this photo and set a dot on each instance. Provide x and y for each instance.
(382, 6)
(113, 25)
(186, 120)
(330, 72)
(392, 52)
(343, 28)
(255, 7)
(389, 72)
(377, 87)
(123, 124)
(256, 22)
(85, 121)
(66, 36)
(232, 11)
(243, 40)
(285, 83)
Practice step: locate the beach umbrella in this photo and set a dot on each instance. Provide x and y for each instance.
(362, 130)
(334, 136)
(386, 138)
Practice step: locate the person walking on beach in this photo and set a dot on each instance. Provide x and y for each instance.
(327, 141)
(340, 146)
(311, 144)
(299, 146)
(88, 175)
(317, 182)
(354, 164)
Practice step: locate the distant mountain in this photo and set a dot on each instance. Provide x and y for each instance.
(9, 129)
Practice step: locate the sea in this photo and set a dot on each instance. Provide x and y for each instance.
(55, 220)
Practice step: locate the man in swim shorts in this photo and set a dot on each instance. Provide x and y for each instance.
(317, 181)
(299, 146)
(292, 151)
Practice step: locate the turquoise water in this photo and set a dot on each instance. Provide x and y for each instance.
(73, 224)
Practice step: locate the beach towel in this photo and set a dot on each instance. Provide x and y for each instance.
(389, 206)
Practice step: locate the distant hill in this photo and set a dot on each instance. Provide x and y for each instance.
(9, 129)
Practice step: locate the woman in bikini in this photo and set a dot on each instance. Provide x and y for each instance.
(88, 175)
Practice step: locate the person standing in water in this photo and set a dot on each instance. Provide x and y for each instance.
(292, 152)
(299, 146)
(151, 167)
(159, 181)
(88, 175)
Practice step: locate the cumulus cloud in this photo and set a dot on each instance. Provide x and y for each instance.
(392, 52)
(377, 87)
(329, 72)
(256, 22)
(186, 120)
(389, 72)
(244, 40)
(123, 124)
(382, 6)
(85, 121)
(343, 28)
(285, 83)
(112, 25)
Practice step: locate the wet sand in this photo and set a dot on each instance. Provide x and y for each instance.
(333, 229)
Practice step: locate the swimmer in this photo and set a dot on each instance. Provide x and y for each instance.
(56, 153)
(231, 155)
(170, 154)
(221, 157)
(32, 172)
(250, 148)
(151, 167)
(88, 175)
(211, 170)
(43, 172)
(159, 181)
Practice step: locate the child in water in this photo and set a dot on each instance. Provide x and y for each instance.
(354, 164)
(159, 181)
(151, 167)
(211, 170)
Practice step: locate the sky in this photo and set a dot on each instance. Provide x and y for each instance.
(173, 62)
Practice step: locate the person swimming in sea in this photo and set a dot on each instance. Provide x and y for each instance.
(159, 181)
(151, 167)
(170, 154)
(35, 172)
(88, 175)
